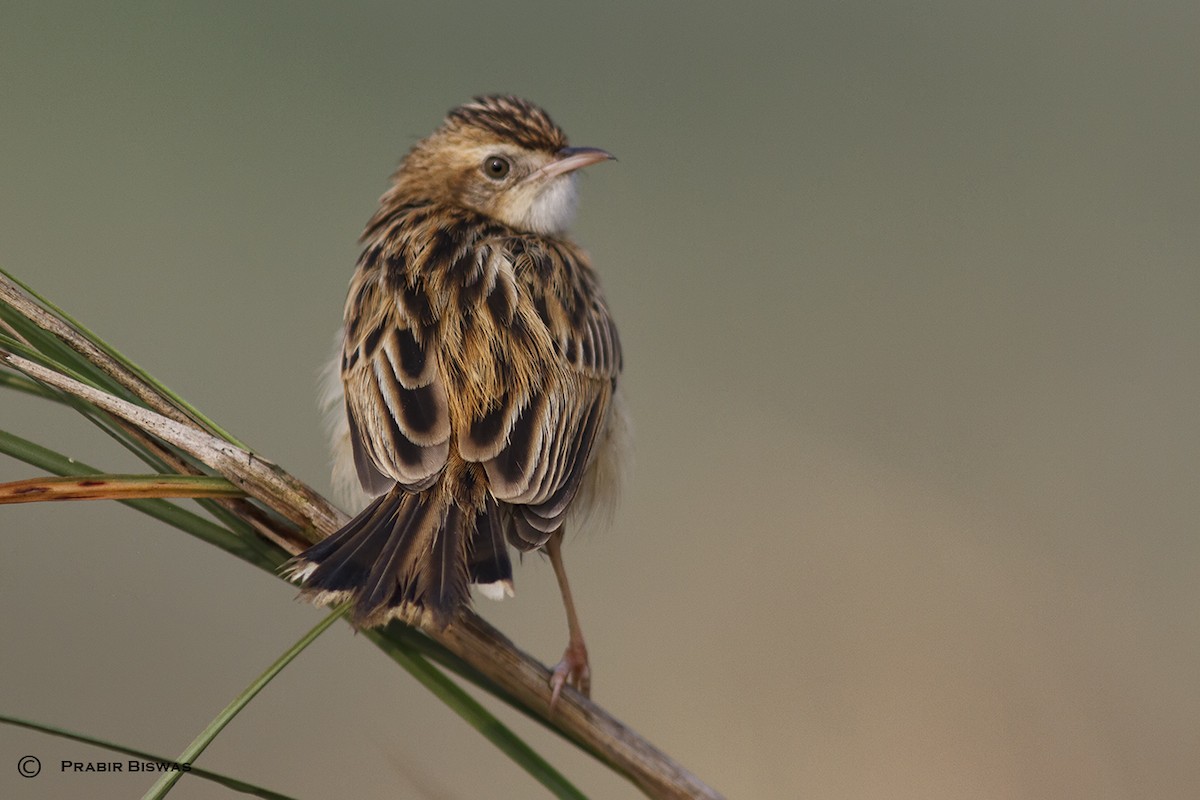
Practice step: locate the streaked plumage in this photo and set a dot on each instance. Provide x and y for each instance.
(479, 363)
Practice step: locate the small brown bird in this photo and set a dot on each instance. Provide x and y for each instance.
(479, 367)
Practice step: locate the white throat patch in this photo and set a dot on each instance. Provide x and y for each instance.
(553, 208)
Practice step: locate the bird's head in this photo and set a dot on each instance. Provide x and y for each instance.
(502, 157)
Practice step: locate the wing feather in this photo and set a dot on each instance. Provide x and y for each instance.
(536, 452)
(530, 390)
(396, 400)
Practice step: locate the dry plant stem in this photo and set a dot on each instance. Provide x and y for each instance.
(479, 644)
(255, 476)
(271, 529)
(42, 489)
(276, 531)
(16, 298)
(315, 506)
(470, 637)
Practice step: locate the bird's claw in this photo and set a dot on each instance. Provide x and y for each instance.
(573, 670)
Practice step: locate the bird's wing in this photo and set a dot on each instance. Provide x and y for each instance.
(536, 442)
(395, 396)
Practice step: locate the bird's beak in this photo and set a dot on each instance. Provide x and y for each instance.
(573, 158)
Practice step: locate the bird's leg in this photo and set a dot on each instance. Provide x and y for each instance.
(573, 669)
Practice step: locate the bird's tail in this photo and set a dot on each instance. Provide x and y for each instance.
(404, 554)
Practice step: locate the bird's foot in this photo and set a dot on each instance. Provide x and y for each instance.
(573, 670)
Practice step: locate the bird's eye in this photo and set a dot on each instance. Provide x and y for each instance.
(496, 167)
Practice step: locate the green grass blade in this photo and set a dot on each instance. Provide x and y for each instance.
(106, 423)
(100, 419)
(198, 745)
(412, 651)
(92, 377)
(113, 429)
(50, 350)
(110, 426)
(82, 371)
(19, 383)
(216, 777)
(203, 529)
(477, 716)
(397, 634)
(116, 355)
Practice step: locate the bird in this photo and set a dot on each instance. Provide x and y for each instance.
(476, 395)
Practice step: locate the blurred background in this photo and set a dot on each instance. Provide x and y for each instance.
(909, 298)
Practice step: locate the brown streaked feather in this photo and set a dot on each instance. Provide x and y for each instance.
(354, 545)
(489, 431)
(441, 584)
(494, 346)
(512, 119)
(521, 453)
(395, 400)
(411, 522)
(570, 466)
(373, 480)
(547, 441)
(524, 536)
(404, 548)
(478, 364)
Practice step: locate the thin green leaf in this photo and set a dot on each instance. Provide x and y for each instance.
(84, 370)
(19, 383)
(411, 650)
(101, 419)
(201, 528)
(477, 716)
(120, 358)
(398, 635)
(93, 376)
(87, 374)
(216, 777)
(106, 423)
(198, 745)
(51, 350)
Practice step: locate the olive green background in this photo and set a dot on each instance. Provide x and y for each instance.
(909, 297)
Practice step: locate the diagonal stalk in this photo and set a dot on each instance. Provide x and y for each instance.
(53, 319)
(216, 777)
(198, 745)
(506, 671)
(249, 550)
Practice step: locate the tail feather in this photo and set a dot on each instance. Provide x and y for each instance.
(489, 555)
(406, 552)
(443, 582)
(403, 531)
(342, 562)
